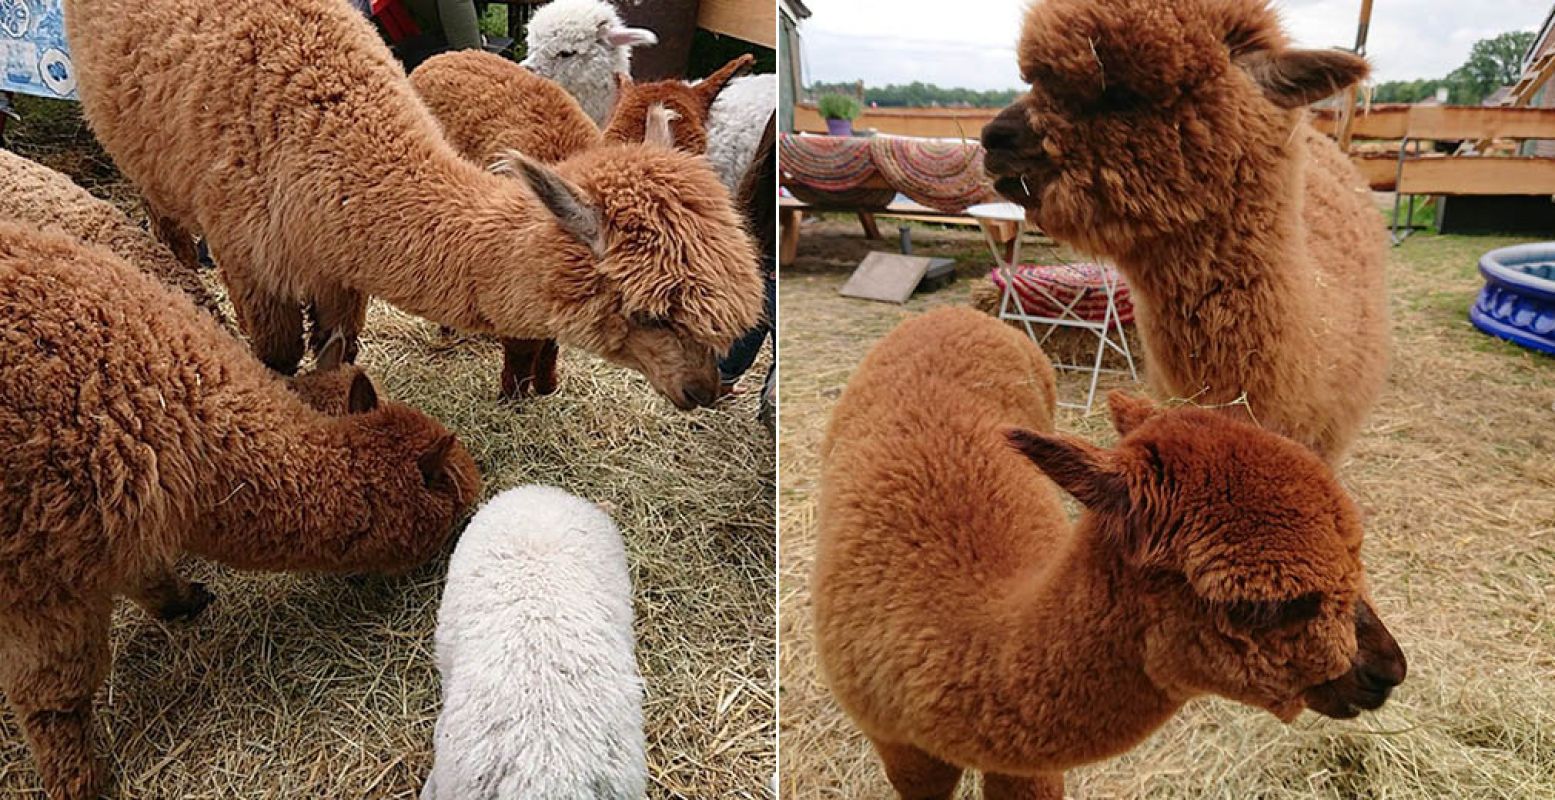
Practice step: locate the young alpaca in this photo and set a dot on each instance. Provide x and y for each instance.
(1170, 139)
(38, 195)
(964, 623)
(583, 45)
(541, 696)
(152, 432)
(690, 104)
(349, 190)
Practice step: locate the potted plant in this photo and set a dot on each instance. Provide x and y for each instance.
(839, 110)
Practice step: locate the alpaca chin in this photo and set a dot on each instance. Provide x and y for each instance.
(1288, 710)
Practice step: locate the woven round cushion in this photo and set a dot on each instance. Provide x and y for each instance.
(1065, 282)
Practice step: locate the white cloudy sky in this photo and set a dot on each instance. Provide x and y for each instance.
(970, 43)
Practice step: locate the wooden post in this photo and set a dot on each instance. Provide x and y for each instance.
(1347, 114)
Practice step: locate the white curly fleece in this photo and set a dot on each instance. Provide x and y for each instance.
(582, 44)
(736, 122)
(541, 695)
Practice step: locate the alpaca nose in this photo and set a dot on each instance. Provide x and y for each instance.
(1381, 662)
(999, 135)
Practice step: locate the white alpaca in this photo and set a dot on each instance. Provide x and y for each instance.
(582, 44)
(541, 695)
(736, 122)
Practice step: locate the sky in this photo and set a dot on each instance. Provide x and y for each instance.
(971, 43)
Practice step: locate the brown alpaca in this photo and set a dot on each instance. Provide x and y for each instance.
(133, 429)
(288, 136)
(38, 195)
(690, 104)
(1170, 139)
(965, 624)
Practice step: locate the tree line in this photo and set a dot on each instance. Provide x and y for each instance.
(1492, 64)
(920, 95)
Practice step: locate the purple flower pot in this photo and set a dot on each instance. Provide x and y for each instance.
(839, 127)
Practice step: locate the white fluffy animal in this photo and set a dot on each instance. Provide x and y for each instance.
(582, 44)
(541, 695)
(735, 124)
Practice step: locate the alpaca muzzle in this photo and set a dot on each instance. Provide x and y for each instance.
(1379, 665)
(1013, 156)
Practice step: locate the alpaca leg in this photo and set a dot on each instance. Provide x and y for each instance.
(1006, 787)
(528, 367)
(51, 663)
(166, 595)
(272, 323)
(174, 235)
(916, 775)
(342, 311)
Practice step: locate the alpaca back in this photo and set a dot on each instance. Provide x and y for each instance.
(924, 507)
(487, 104)
(117, 391)
(284, 131)
(40, 196)
(541, 695)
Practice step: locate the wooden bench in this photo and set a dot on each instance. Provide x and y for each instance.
(792, 211)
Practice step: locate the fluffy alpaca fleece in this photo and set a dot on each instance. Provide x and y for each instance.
(487, 104)
(964, 623)
(133, 429)
(541, 696)
(690, 104)
(583, 45)
(348, 189)
(35, 194)
(735, 124)
(1171, 139)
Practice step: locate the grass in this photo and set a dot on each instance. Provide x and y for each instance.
(296, 686)
(1454, 474)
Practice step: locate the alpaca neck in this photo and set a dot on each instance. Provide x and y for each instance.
(273, 490)
(1072, 630)
(1227, 300)
(473, 253)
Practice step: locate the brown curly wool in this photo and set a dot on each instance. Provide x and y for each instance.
(487, 104)
(1170, 138)
(133, 429)
(38, 195)
(690, 104)
(963, 622)
(286, 133)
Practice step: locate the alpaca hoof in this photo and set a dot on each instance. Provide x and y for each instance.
(189, 607)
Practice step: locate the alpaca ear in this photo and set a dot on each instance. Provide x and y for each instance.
(627, 37)
(715, 83)
(362, 397)
(332, 355)
(1129, 411)
(1295, 78)
(658, 130)
(434, 462)
(573, 211)
(1078, 467)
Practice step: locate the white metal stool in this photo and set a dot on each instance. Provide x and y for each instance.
(1011, 308)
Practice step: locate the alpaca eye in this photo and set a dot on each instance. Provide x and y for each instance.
(1265, 615)
(566, 53)
(642, 320)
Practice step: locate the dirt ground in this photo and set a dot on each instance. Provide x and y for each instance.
(294, 686)
(1456, 476)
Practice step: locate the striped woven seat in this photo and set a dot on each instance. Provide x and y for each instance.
(1062, 284)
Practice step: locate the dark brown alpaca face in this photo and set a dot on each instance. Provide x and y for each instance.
(1246, 553)
(1145, 118)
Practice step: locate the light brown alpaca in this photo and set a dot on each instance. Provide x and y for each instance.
(288, 136)
(133, 429)
(963, 623)
(689, 102)
(1171, 139)
(33, 193)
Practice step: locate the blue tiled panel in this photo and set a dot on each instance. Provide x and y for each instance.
(33, 54)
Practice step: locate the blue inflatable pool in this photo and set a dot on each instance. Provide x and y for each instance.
(1518, 301)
